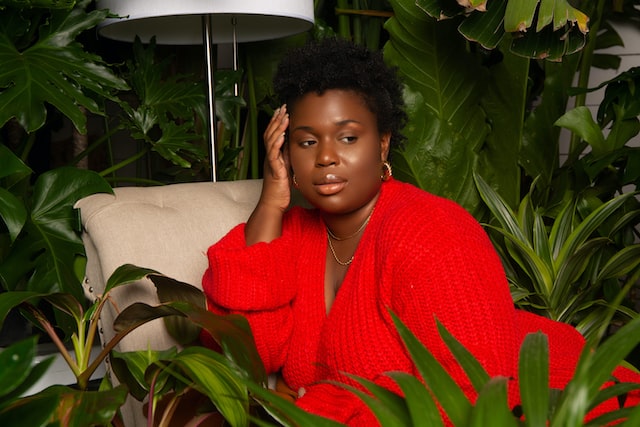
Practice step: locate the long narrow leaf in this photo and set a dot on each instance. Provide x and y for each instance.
(286, 412)
(621, 263)
(474, 370)
(422, 408)
(533, 373)
(389, 408)
(572, 268)
(528, 259)
(590, 224)
(492, 408)
(500, 210)
(561, 228)
(213, 375)
(447, 392)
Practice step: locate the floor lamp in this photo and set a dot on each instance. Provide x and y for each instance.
(207, 22)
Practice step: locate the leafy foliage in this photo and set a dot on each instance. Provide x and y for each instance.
(63, 404)
(541, 405)
(451, 98)
(537, 28)
(44, 245)
(42, 63)
(563, 270)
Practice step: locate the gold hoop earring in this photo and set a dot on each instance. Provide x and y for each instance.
(387, 172)
(295, 183)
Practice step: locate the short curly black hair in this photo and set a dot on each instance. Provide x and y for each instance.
(336, 63)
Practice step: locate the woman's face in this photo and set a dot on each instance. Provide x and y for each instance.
(336, 151)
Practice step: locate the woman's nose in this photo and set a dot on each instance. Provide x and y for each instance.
(326, 154)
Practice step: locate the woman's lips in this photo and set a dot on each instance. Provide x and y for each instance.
(330, 184)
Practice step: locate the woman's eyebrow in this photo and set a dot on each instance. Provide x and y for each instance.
(339, 123)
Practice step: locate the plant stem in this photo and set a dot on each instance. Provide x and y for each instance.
(344, 29)
(585, 66)
(124, 163)
(42, 320)
(252, 120)
(31, 139)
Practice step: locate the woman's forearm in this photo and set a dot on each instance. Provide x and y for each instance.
(264, 224)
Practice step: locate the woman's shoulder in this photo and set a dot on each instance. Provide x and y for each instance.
(405, 198)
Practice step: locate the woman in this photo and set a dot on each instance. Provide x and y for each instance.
(317, 284)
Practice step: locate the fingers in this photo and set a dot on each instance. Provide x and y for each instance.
(274, 134)
(274, 137)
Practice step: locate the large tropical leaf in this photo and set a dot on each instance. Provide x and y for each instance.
(54, 69)
(539, 29)
(443, 87)
(46, 250)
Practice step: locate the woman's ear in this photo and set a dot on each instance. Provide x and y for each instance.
(385, 145)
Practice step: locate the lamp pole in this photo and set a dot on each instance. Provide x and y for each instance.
(207, 41)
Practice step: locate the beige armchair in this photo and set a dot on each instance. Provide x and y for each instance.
(167, 229)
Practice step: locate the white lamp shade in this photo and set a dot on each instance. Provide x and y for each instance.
(179, 22)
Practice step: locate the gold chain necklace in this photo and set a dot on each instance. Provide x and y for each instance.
(362, 226)
(330, 236)
(333, 252)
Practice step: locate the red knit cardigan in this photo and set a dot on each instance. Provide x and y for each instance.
(422, 257)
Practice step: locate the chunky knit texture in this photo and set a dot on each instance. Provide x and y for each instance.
(422, 257)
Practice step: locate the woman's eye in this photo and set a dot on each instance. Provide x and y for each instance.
(306, 143)
(349, 139)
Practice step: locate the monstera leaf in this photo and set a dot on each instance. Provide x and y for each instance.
(43, 254)
(50, 67)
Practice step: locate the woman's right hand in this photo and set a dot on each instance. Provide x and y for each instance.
(265, 223)
(276, 191)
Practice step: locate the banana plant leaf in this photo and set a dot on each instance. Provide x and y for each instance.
(53, 69)
(541, 29)
(451, 98)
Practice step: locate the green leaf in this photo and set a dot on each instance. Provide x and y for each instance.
(423, 410)
(16, 361)
(589, 225)
(12, 165)
(80, 408)
(389, 408)
(53, 70)
(215, 378)
(45, 256)
(541, 274)
(13, 213)
(9, 300)
(621, 263)
(487, 27)
(232, 332)
(130, 367)
(33, 411)
(444, 84)
(474, 370)
(593, 370)
(501, 210)
(491, 407)
(580, 122)
(447, 392)
(533, 374)
(181, 329)
(125, 274)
